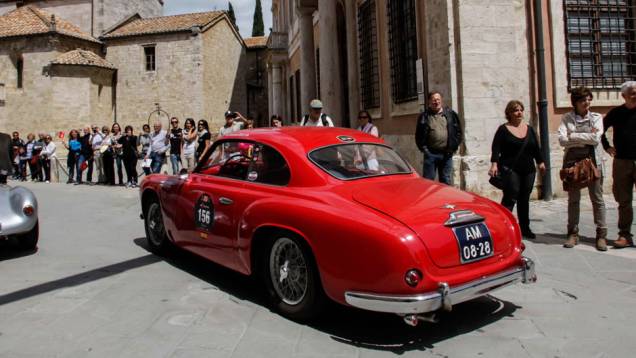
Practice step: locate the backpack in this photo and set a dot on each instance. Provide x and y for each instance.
(323, 118)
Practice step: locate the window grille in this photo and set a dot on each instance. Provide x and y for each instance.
(601, 46)
(403, 49)
(368, 47)
(149, 52)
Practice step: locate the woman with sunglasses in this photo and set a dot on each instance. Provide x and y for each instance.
(203, 141)
(365, 124)
(116, 134)
(128, 145)
(189, 144)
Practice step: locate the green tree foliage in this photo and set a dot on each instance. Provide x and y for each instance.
(230, 14)
(258, 28)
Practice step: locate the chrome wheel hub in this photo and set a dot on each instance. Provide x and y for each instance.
(288, 271)
(155, 224)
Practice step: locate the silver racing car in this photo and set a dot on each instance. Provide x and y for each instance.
(19, 216)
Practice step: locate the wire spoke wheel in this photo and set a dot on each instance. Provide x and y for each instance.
(288, 271)
(156, 231)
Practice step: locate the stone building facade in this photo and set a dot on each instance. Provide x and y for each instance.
(189, 64)
(91, 16)
(383, 55)
(51, 77)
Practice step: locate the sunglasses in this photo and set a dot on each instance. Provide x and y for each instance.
(174, 122)
(363, 117)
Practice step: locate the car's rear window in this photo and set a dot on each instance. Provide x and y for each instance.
(359, 160)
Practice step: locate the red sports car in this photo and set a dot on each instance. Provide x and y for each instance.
(332, 212)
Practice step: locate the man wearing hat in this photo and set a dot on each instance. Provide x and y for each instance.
(234, 122)
(316, 118)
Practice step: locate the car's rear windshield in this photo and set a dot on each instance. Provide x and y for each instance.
(359, 160)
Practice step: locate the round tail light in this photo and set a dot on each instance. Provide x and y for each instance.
(413, 277)
(28, 210)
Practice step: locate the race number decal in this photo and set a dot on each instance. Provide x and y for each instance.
(204, 213)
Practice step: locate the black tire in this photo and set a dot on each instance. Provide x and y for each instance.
(292, 278)
(156, 236)
(29, 241)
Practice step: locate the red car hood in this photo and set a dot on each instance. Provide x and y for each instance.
(425, 206)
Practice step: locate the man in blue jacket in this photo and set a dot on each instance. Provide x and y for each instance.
(438, 135)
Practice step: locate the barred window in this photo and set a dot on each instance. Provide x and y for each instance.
(601, 46)
(403, 49)
(149, 53)
(368, 47)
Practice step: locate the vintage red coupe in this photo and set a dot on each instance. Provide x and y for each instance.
(332, 212)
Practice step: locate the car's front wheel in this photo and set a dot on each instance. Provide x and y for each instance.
(293, 279)
(29, 240)
(155, 231)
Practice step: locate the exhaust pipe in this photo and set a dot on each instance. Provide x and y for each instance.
(413, 319)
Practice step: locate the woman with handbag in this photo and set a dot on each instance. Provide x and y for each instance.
(580, 135)
(515, 149)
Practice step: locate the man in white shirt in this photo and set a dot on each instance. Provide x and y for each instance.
(159, 145)
(48, 155)
(96, 143)
(316, 118)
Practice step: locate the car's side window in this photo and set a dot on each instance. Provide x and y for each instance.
(269, 167)
(230, 159)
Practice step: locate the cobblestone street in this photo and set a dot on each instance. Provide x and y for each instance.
(93, 290)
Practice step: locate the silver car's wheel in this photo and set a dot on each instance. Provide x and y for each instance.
(288, 271)
(155, 231)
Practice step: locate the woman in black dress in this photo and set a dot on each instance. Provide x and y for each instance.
(515, 149)
(128, 145)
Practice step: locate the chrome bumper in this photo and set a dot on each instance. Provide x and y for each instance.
(445, 297)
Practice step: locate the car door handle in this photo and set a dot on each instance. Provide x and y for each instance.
(226, 201)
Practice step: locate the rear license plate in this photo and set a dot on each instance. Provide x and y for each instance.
(474, 241)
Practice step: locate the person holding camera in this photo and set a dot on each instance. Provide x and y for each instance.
(234, 122)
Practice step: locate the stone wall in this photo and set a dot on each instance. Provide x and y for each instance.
(223, 84)
(177, 83)
(50, 101)
(110, 12)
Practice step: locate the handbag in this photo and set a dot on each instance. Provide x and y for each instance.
(500, 180)
(580, 175)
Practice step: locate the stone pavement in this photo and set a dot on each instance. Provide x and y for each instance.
(93, 290)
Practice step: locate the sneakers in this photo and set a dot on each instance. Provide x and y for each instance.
(601, 239)
(572, 240)
(623, 242)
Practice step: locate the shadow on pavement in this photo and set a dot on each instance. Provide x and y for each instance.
(9, 250)
(370, 330)
(78, 279)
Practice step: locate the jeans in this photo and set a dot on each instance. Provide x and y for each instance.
(157, 161)
(440, 164)
(75, 166)
(119, 164)
(175, 160)
(517, 191)
(624, 173)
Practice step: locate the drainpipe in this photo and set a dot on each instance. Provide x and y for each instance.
(542, 103)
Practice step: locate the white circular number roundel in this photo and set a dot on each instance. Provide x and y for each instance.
(204, 213)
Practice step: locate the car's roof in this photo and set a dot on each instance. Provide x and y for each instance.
(308, 138)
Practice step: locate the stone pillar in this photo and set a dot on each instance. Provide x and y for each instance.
(330, 86)
(352, 58)
(307, 58)
(277, 90)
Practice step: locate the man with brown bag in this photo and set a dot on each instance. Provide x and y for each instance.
(622, 120)
(580, 135)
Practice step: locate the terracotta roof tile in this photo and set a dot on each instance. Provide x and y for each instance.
(30, 20)
(82, 58)
(164, 24)
(253, 42)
